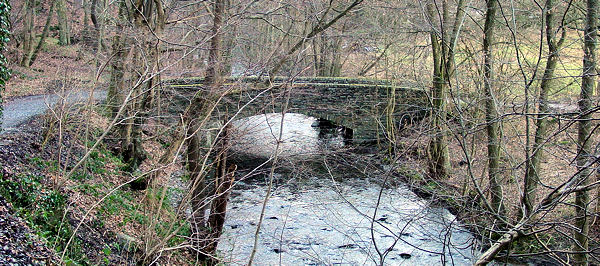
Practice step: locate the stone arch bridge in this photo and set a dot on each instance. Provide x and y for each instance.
(361, 105)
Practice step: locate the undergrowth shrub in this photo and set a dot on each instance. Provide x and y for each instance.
(44, 212)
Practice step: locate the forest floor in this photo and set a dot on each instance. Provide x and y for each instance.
(29, 183)
(65, 68)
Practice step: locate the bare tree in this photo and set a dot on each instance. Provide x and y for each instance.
(585, 151)
(200, 109)
(444, 37)
(146, 17)
(318, 28)
(493, 125)
(28, 32)
(533, 165)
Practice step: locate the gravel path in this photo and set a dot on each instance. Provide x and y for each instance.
(19, 110)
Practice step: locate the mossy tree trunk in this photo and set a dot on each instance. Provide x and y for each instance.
(64, 31)
(196, 118)
(532, 175)
(120, 50)
(584, 140)
(40, 43)
(145, 16)
(493, 124)
(443, 41)
(28, 32)
(149, 20)
(132, 151)
(438, 149)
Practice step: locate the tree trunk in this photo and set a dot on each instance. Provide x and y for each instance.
(443, 72)
(323, 50)
(532, 175)
(44, 34)
(196, 118)
(64, 32)
(224, 177)
(132, 151)
(86, 13)
(148, 14)
(438, 149)
(214, 56)
(585, 152)
(227, 59)
(93, 16)
(336, 54)
(494, 145)
(198, 112)
(229, 45)
(315, 56)
(114, 97)
(28, 34)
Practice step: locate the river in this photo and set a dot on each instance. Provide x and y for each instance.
(317, 220)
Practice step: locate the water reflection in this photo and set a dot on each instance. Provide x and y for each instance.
(302, 137)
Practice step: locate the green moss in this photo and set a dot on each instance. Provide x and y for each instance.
(50, 44)
(410, 174)
(529, 244)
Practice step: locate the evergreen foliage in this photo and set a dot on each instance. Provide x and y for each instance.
(4, 38)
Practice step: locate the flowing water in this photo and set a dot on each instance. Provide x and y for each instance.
(331, 224)
(320, 221)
